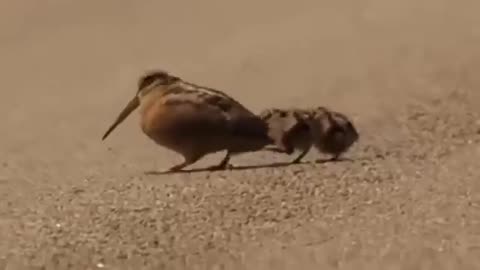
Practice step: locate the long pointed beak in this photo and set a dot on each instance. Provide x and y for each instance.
(131, 106)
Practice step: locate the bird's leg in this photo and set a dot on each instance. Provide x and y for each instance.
(188, 161)
(179, 167)
(223, 164)
(302, 155)
(283, 148)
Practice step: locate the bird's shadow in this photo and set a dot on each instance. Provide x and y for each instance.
(249, 167)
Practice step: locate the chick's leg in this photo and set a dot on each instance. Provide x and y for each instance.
(302, 155)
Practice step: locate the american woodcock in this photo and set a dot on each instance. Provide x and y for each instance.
(193, 120)
(328, 131)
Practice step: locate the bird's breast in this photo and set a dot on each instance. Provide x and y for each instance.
(156, 120)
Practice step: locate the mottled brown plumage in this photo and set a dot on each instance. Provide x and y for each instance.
(332, 132)
(293, 129)
(288, 130)
(194, 121)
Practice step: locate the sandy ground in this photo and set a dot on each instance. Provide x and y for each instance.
(405, 71)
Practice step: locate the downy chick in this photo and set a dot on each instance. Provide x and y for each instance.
(328, 131)
(332, 132)
(289, 131)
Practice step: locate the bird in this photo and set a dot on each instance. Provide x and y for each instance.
(193, 120)
(333, 132)
(328, 131)
(289, 131)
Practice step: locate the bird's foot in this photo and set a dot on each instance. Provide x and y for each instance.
(220, 167)
(334, 158)
(296, 161)
(176, 168)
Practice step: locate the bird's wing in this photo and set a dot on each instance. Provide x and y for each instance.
(242, 122)
(212, 92)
